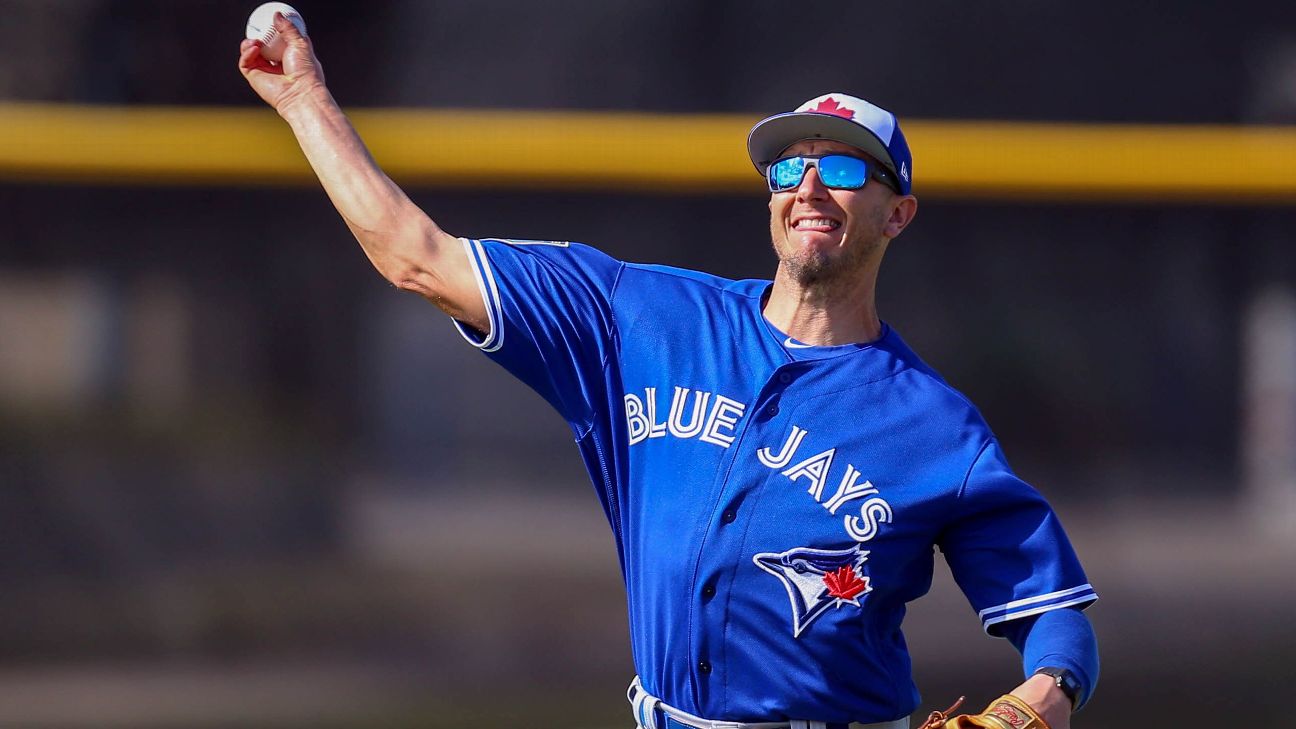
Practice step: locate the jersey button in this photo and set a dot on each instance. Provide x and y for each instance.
(704, 667)
(708, 592)
(785, 377)
(772, 409)
(729, 516)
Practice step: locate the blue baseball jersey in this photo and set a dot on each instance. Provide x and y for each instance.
(774, 505)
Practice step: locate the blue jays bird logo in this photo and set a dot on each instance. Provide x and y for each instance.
(817, 579)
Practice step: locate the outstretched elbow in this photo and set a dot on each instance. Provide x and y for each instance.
(409, 257)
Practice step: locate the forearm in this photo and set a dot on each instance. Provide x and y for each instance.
(401, 241)
(374, 208)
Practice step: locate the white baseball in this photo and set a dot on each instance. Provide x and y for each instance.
(260, 27)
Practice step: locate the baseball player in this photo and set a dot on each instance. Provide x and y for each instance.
(777, 466)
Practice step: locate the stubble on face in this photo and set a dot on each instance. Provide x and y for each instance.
(823, 272)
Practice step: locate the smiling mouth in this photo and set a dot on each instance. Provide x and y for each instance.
(820, 224)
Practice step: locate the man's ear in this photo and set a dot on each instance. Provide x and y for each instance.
(902, 214)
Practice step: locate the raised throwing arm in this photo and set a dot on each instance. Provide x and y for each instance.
(403, 243)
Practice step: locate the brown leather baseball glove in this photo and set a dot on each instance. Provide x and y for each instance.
(1005, 712)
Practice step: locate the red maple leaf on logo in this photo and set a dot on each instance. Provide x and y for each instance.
(844, 584)
(830, 106)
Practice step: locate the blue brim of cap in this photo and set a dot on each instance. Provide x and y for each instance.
(771, 136)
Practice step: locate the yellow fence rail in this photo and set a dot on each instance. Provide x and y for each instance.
(640, 152)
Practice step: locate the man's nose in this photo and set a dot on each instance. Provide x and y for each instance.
(811, 187)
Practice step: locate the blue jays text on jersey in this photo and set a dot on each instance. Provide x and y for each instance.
(774, 507)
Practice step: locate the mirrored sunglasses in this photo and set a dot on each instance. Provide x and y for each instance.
(836, 171)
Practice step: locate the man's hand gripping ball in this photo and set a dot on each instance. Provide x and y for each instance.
(293, 78)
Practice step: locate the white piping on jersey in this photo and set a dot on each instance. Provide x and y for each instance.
(1038, 598)
(1085, 594)
(1090, 597)
(533, 242)
(494, 338)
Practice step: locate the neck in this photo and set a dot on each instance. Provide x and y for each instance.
(824, 315)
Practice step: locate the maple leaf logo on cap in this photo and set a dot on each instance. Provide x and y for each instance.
(830, 106)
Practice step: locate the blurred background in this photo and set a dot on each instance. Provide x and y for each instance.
(243, 482)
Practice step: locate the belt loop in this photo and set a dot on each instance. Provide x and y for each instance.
(644, 705)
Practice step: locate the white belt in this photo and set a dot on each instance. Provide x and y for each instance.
(645, 706)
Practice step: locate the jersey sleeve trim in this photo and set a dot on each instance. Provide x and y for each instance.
(1082, 595)
(494, 336)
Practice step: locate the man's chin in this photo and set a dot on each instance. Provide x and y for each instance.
(810, 268)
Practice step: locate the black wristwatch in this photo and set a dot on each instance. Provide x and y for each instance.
(1066, 681)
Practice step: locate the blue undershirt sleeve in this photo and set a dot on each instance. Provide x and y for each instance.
(1060, 638)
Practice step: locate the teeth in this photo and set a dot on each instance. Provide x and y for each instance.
(817, 223)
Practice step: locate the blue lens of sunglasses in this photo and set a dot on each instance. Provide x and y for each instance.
(837, 171)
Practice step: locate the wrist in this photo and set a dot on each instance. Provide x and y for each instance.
(299, 105)
(1041, 692)
(1067, 682)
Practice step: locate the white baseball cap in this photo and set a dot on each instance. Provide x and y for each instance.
(841, 118)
